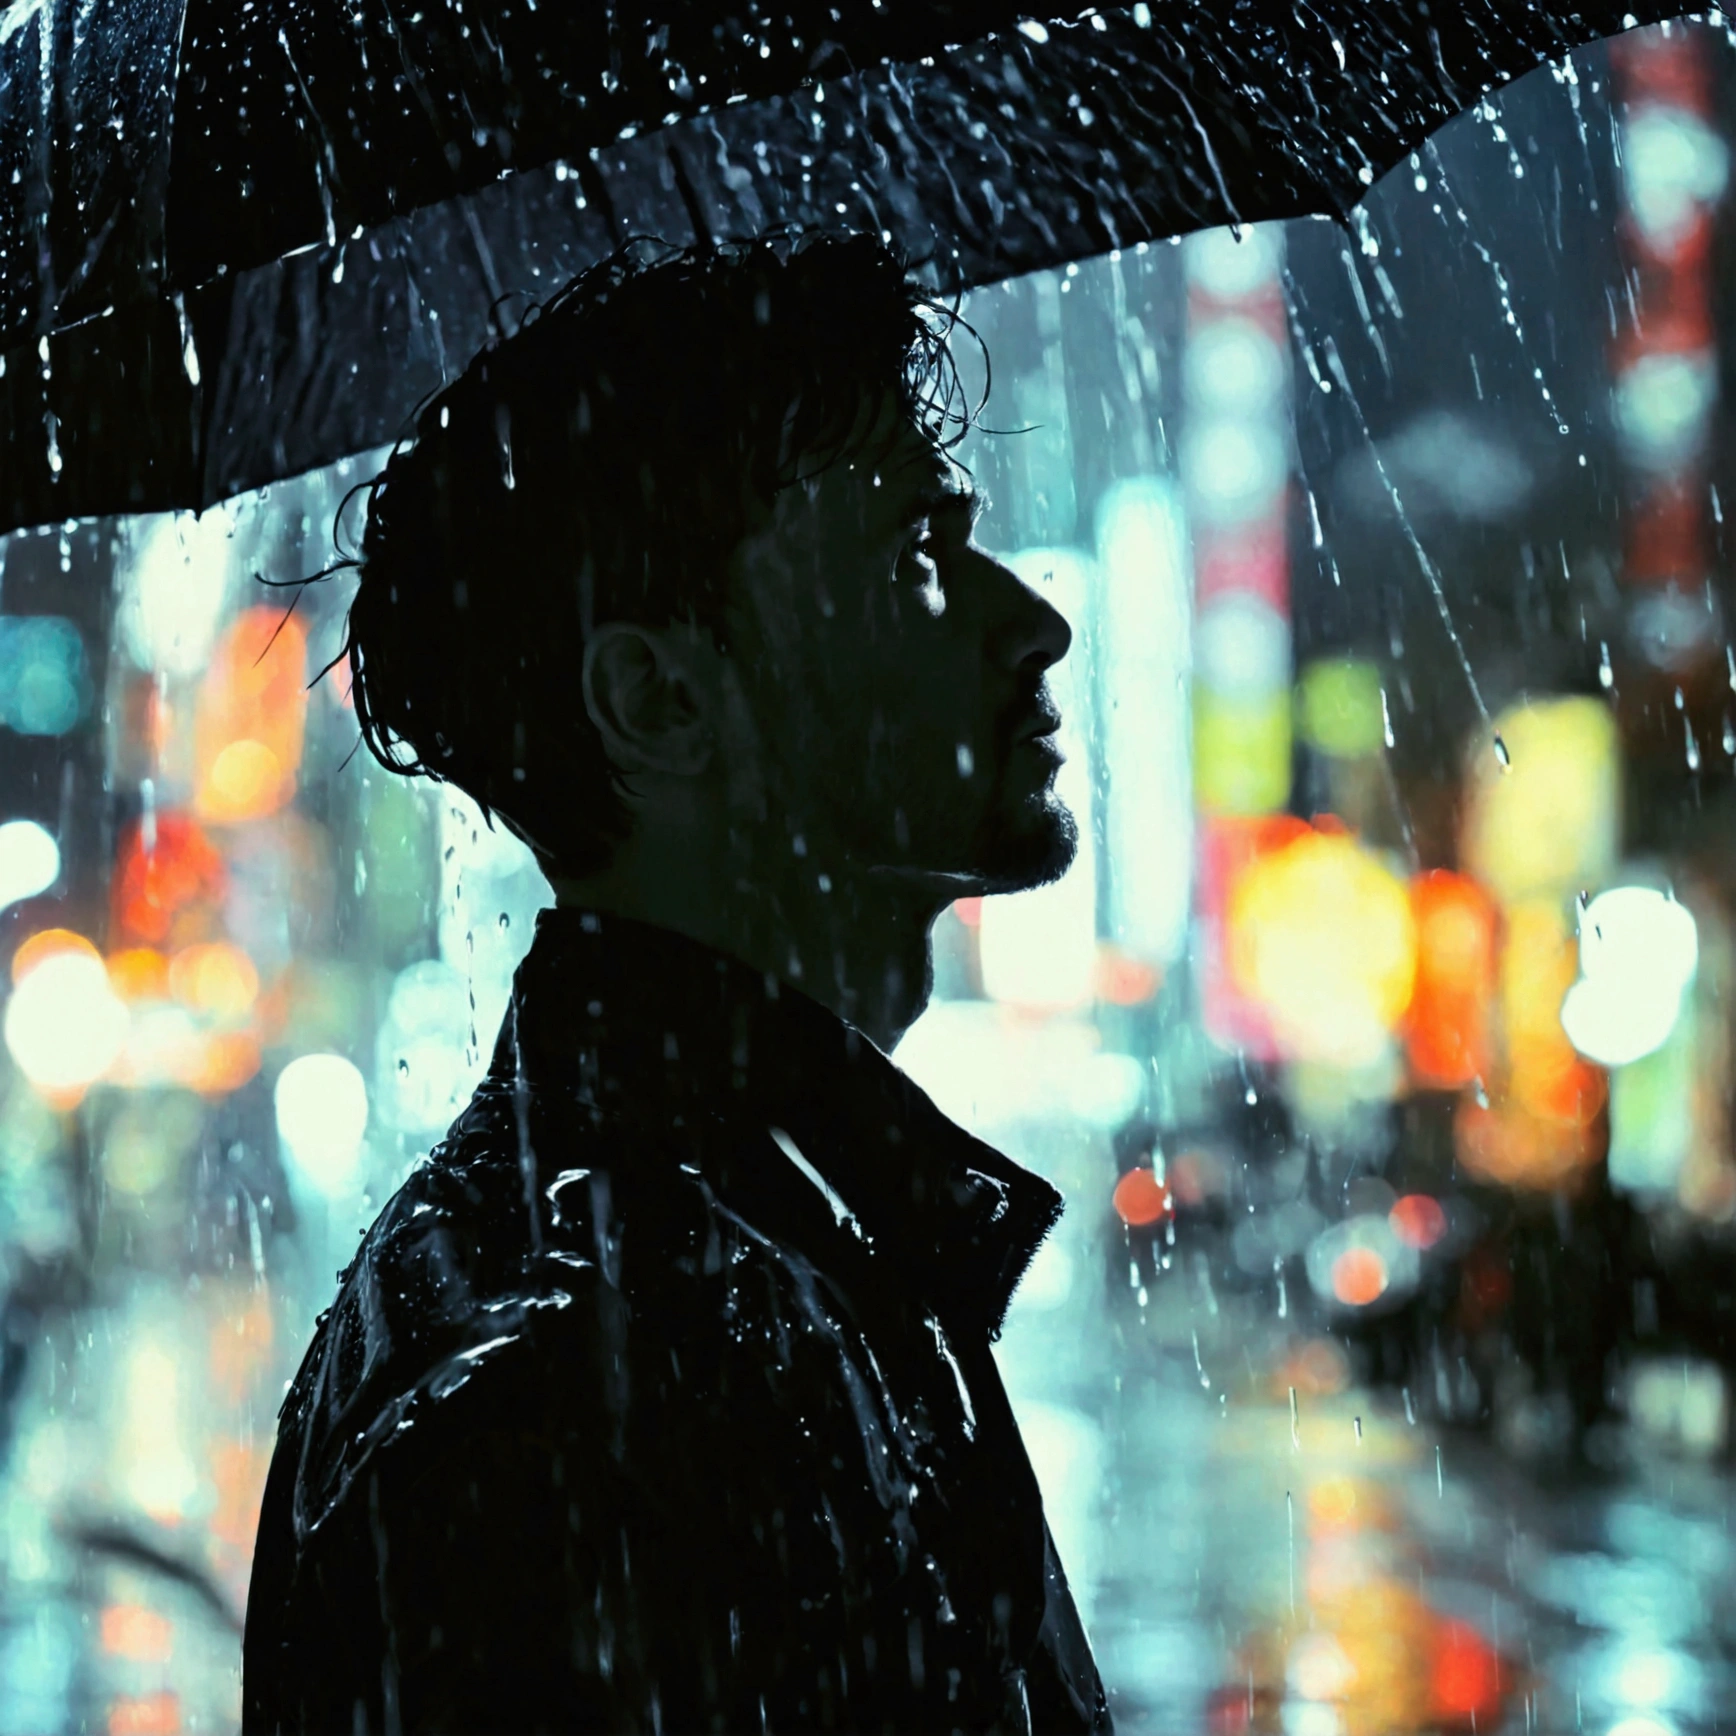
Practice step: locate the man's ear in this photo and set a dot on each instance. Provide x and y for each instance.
(646, 695)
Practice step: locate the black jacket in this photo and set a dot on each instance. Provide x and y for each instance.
(660, 1396)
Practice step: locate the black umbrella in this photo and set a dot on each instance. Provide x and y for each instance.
(241, 238)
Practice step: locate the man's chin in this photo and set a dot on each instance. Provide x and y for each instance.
(1028, 849)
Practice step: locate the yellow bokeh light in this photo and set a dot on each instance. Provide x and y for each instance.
(245, 782)
(1322, 935)
(215, 978)
(1548, 822)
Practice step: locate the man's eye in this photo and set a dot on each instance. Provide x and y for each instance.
(918, 556)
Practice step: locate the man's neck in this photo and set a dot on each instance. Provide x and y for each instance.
(857, 943)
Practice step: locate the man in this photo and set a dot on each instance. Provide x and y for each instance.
(661, 1396)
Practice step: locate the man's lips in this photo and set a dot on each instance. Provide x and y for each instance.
(1044, 723)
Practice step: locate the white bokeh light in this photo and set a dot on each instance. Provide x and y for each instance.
(29, 860)
(175, 587)
(1638, 951)
(322, 1114)
(64, 1023)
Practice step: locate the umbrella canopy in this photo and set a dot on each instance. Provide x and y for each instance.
(239, 241)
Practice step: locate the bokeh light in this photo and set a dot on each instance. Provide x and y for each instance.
(1419, 1220)
(1140, 1199)
(1545, 822)
(322, 1115)
(64, 1023)
(252, 713)
(29, 860)
(1638, 949)
(1448, 1026)
(1321, 934)
(45, 684)
(175, 587)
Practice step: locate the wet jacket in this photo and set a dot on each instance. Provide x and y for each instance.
(660, 1397)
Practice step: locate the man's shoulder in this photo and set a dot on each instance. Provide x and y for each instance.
(544, 1262)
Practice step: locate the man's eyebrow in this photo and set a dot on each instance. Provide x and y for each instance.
(944, 499)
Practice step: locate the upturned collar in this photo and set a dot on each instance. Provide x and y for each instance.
(646, 1023)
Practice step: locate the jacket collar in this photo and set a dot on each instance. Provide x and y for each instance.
(647, 1023)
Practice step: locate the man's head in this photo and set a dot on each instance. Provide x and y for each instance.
(689, 548)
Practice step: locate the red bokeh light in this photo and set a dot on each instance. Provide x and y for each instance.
(1358, 1277)
(154, 886)
(1418, 1220)
(1465, 1679)
(1141, 1199)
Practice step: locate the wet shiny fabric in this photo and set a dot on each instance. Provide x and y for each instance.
(661, 1396)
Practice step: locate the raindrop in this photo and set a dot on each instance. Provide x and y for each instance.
(505, 920)
(1693, 748)
(1501, 753)
(1605, 669)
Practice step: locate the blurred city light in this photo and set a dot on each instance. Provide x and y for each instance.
(322, 1115)
(1448, 1026)
(1361, 1262)
(1664, 402)
(174, 588)
(29, 860)
(168, 877)
(1673, 163)
(1143, 557)
(1341, 709)
(64, 1023)
(1321, 934)
(1547, 821)
(1638, 949)
(1418, 1220)
(1141, 1199)
(44, 675)
(214, 978)
(252, 712)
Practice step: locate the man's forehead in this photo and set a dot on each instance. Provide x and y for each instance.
(907, 469)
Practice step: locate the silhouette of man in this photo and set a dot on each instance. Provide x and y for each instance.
(661, 1395)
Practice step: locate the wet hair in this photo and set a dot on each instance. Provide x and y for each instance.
(604, 462)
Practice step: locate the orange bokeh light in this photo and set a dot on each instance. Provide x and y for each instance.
(139, 973)
(162, 881)
(145, 1714)
(1358, 1277)
(214, 978)
(1447, 1026)
(251, 717)
(46, 944)
(130, 1630)
(1140, 1199)
(1124, 981)
(224, 1061)
(1418, 1220)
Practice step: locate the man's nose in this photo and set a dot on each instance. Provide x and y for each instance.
(1031, 633)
